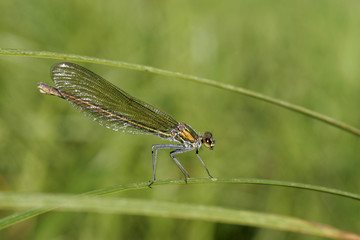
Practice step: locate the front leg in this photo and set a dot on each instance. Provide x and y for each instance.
(197, 154)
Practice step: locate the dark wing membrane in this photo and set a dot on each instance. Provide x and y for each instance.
(108, 105)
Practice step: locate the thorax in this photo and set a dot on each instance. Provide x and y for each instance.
(186, 135)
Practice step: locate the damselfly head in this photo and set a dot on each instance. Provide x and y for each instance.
(208, 140)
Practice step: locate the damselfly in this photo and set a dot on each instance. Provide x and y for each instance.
(113, 108)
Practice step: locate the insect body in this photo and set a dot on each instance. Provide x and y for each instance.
(113, 108)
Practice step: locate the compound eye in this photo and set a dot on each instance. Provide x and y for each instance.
(208, 140)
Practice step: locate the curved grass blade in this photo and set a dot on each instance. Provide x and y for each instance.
(259, 96)
(21, 216)
(171, 210)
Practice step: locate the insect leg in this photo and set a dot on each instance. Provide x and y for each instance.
(154, 151)
(197, 154)
(178, 151)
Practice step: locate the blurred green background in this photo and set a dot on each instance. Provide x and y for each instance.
(304, 52)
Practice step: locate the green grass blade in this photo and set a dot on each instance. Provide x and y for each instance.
(21, 216)
(142, 185)
(170, 210)
(284, 104)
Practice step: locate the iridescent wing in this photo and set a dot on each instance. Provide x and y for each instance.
(107, 104)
